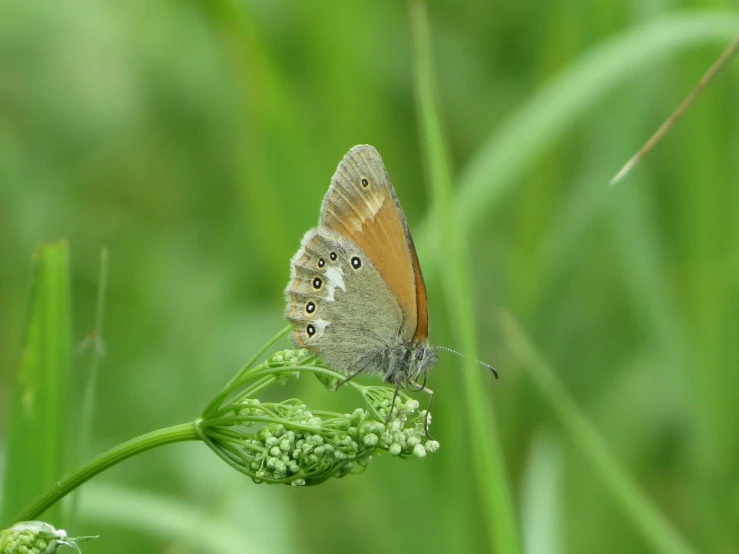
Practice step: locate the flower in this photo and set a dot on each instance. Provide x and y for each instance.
(36, 537)
(286, 442)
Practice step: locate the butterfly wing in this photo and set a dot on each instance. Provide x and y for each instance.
(361, 206)
(340, 305)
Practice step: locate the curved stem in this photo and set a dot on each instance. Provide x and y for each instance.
(259, 353)
(177, 433)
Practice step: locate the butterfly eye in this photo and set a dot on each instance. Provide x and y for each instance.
(310, 307)
(310, 330)
(317, 283)
(365, 182)
(356, 262)
(321, 262)
(332, 256)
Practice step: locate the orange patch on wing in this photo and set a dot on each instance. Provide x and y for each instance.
(422, 329)
(298, 338)
(383, 240)
(291, 315)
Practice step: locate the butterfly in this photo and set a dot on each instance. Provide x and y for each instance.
(356, 293)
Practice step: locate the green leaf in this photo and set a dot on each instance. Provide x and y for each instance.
(35, 448)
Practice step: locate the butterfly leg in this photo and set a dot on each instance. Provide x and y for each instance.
(347, 379)
(421, 387)
(392, 404)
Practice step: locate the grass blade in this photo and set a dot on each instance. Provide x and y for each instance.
(542, 497)
(36, 445)
(94, 342)
(514, 146)
(170, 520)
(723, 59)
(655, 528)
(488, 462)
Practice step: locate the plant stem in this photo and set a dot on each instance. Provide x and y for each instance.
(177, 433)
(488, 463)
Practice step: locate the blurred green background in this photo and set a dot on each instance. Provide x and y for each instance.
(196, 139)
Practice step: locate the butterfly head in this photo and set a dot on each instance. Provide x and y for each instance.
(409, 362)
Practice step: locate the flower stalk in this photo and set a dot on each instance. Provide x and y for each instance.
(279, 442)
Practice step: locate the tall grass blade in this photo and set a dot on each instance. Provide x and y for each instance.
(36, 445)
(515, 145)
(488, 462)
(94, 342)
(647, 518)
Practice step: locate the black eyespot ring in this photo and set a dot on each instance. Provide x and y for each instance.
(365, 182)
(356, 262)
(317, 283)
(310, 307)
(310, 330)
(332, 256)
(321, 262)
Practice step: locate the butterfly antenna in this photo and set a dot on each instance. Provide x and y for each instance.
(491, 368)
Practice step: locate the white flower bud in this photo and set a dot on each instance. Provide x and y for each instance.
(431, 446)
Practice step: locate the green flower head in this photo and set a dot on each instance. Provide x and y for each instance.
(36, 537)
(286, 442)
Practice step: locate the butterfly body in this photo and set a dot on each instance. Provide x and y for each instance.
(356, 294)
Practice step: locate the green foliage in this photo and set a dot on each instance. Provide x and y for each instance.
(196, 140)
(36, 442)
(275, 442)
(488, 463)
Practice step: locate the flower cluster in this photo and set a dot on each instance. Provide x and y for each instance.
(284, 442)
(35, 537)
